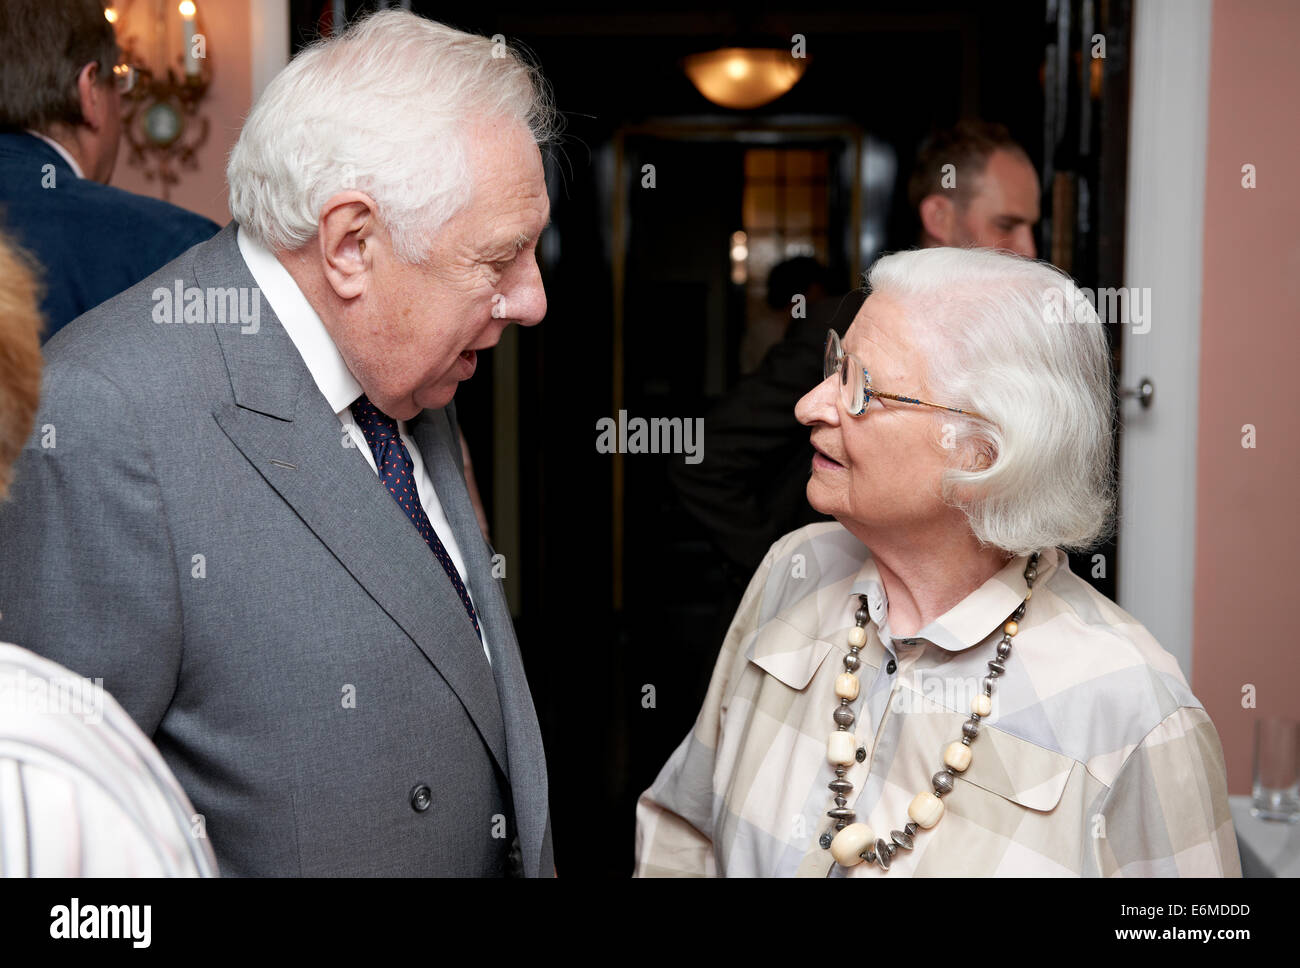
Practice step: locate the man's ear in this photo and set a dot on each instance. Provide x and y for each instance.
(347, 233)
(938, 214)
(93, 96)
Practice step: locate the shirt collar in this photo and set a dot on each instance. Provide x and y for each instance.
(63, 152)
(971, 620)
(301, 323)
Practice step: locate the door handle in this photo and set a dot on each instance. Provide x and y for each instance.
(1145, 392)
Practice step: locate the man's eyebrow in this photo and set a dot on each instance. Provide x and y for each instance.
(523, 238)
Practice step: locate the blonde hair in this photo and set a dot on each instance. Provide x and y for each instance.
(20, 355)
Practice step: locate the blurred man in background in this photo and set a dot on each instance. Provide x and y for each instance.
(803, 276)
(973, 185)
(61, 87)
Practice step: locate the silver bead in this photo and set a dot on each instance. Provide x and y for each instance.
(844, 716)
(942, 783)
(861, 616)
(1019, 613)
(883, 853)
(910, 828)
(841, 787)
(970, 729)
(988, 686)
(1004, 649)
(840, 801)
(902, 839)
(851, 663)
(841, 813)
(996, 667)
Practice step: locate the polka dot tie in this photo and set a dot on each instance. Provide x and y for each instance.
(395, 471)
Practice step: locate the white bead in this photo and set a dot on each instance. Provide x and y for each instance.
(858, 637)
(957, 755)
(982, 705)
(846, 686)
(925, 809)
(842, 748)
(849, 843)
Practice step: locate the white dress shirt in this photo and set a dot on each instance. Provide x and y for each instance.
(339, 387)
(63, 152)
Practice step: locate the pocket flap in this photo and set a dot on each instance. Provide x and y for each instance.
(1022, 772)
(787, 654)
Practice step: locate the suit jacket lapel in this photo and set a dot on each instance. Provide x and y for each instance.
(283, 425)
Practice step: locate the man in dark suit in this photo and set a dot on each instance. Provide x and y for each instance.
(243, 504)
(60, 124)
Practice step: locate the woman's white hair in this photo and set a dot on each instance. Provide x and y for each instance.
(1015, 340)
(384, 109)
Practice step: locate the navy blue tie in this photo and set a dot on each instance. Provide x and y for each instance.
(395, 472)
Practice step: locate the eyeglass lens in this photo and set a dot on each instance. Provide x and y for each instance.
(852, 384)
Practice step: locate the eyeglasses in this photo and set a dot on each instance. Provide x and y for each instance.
(856, 390)
(124, 77)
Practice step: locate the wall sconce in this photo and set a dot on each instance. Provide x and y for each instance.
(160, 121)
(744, 77)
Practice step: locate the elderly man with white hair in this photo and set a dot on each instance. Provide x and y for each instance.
(922, 687)
(243, 505)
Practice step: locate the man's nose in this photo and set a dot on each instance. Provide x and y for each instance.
(820, 404)
(525, 303)
(1023, 242)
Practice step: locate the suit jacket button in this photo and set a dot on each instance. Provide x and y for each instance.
(421, 797)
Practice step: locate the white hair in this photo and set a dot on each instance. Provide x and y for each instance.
(384, 109)
(1013, 339)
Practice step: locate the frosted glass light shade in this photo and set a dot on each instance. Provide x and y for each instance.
(744, 77)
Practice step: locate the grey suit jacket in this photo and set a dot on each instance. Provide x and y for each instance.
(187, 523)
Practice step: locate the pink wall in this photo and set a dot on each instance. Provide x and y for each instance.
(1247, 531)
(226, 25)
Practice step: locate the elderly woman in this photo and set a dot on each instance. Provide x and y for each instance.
(922, 687)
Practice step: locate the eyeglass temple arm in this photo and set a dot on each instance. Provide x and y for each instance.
(924, 403)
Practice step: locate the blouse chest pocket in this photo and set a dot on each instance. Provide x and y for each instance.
(1016, 769)
(787, 654)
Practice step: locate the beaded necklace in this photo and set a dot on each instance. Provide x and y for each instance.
(856, 842)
